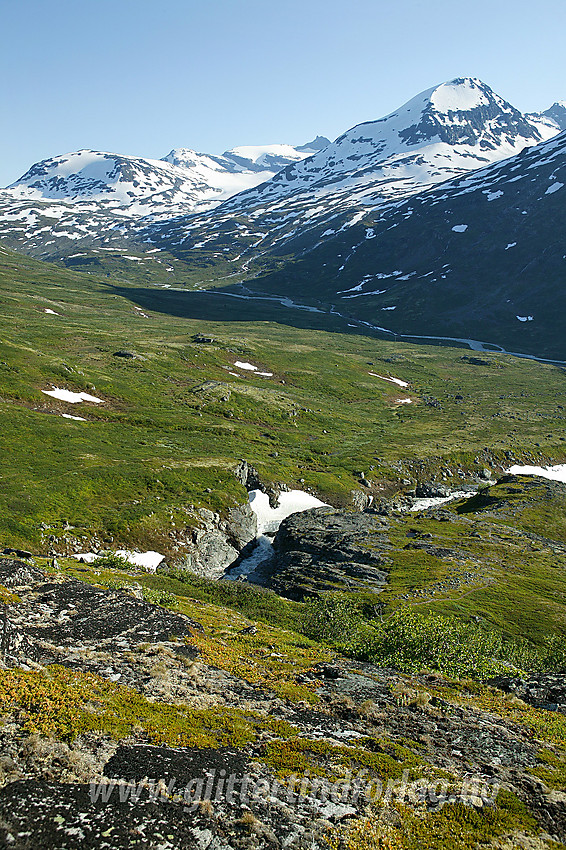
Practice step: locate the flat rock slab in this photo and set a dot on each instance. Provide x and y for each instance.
(52, 816)
(179, 764)
(72, 616)
(77, 611)
(14, 573)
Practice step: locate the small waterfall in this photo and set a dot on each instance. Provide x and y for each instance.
(268, 521)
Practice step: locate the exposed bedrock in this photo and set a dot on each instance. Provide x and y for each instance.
(327, 549)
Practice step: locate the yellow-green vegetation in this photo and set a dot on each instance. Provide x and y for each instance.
(7, 597)
(384, 759)
(454, 827)
(551, 768)
(61, 703)
(547, 726)
(272, 658)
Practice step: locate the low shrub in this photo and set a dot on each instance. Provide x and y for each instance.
(111, 561)
(412, 642)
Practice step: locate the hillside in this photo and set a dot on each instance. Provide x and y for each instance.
(140, 710)
(175, 415)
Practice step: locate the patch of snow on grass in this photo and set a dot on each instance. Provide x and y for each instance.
(389, 378)
(403, 401)
(72, 398)
(76, 418)
(242, 365)
(146, 560)
(51, 312)
(554, 473)
(249, 367)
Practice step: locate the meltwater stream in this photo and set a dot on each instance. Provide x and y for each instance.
(268, 521)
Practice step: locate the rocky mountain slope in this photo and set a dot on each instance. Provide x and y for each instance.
(481, 256)
(554, 115)
(128, 723)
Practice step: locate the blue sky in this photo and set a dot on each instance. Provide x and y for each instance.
(140, 77)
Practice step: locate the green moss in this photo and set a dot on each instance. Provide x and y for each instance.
(549, 726)
(384, 759)
(454, 827)
(7, 596)
(551, 769)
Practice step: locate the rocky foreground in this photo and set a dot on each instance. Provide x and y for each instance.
(126, 724)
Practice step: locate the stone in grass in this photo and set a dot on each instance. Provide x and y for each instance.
(128, 355)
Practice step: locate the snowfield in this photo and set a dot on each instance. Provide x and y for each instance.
(72, 398)
(553, 473)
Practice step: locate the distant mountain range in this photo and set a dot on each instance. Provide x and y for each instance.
(92, 195)
(446, 216)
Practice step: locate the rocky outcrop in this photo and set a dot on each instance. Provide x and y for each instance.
(215, 545)
(326, 549)
(80, 625)
(250, 478)
(546, 690)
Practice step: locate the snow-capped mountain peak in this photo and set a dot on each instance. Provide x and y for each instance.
(129, 187)
(553, 117)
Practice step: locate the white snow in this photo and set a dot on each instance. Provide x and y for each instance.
(403, 401)
(76, 418)
(72, 398)
(243, 365)
(51, 312)
(525, 318)
(389, 378)
(251, 368)
(554, 188)
(290, 502)
(458, 96)
(435, 501)
(510, 245)
(147, 560)
(492, 196)
(460, 228)
(554, 473)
